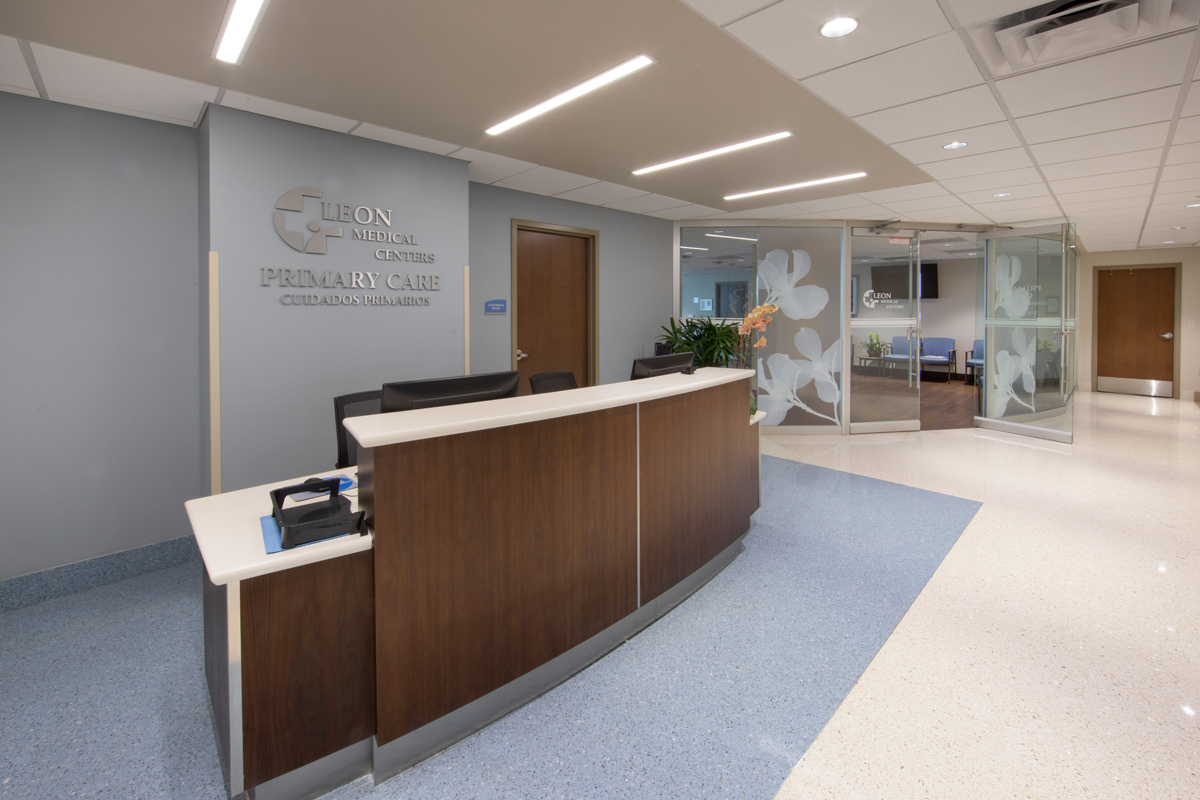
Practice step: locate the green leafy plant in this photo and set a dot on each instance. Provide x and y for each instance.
(714, 343)
(874, 346)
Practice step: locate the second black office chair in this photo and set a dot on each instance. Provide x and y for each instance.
(353, 405)
(552, 382)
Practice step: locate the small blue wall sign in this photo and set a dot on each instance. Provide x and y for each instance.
(492, 307)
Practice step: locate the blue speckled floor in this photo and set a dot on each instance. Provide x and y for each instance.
(718, 699)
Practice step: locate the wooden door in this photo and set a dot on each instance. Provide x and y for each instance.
(553, 302)
(1135, 324)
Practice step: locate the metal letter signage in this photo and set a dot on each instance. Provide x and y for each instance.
(294, 201)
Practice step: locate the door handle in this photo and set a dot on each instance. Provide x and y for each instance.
(521, 355)
(1166, 336)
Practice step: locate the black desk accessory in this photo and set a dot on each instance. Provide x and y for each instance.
(312, 522)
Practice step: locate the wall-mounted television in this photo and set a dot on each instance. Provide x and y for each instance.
(893, 279)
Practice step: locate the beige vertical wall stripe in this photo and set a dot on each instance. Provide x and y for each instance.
(466, 319)
(214, 369)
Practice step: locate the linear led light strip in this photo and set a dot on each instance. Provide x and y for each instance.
(617, 72)
(241, 21)
(797, 185)
(719, 151)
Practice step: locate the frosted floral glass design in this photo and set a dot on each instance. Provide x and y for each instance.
(778, 394)
(1011, 301)
(796, 302)
(1013, 367)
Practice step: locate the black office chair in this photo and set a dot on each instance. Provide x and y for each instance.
(353, 405)
(552, 382)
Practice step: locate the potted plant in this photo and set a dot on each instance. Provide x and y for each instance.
(714, 343)
(874, 346)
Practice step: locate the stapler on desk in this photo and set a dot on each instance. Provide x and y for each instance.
(312, 522)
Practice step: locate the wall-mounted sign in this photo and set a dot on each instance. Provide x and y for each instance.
(373, 225)
(495, 307)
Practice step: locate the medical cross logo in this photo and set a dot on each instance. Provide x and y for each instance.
(293, 201)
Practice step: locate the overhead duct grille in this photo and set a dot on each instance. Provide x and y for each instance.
(1065, 30)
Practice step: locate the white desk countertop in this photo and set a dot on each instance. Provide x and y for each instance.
(227, 527)
(229, 533)
(381, 429)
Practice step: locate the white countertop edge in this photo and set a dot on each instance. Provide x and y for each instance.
(376, 430)
(229, 535)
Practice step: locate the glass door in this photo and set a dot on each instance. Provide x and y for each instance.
(885, 332)
(1028, 379)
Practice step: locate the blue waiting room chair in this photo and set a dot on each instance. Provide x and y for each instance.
(899, 354)
(939, 351)
(974, 361)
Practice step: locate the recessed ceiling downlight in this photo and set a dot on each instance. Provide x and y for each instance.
(1003, 194)
(839, 27)
(954, 145)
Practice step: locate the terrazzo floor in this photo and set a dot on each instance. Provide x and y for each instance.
(1056, 651)
(102, 692)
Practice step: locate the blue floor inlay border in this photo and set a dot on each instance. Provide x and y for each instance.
(105, 690)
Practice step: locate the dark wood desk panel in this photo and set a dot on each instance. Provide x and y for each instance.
(699, 481)
(495, 552)
(308, 669)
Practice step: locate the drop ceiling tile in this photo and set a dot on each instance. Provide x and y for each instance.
(982, 164)
(1006, 205)
(488, 167)
(1098, 145)
(995, 181)
(1016, 193)
(692, 211)
(602, 193)
(409, 140)
(1106, 115)
(1135, 194)
(722, 12)
(1107, 218)
(1137, 177)
(1143, 159)
(109, 86)
(947, 112)
(1175, 186)
(1187, 131)
(870, 211)
(1184, 153)
(648, 203)
(931, 67)
(14, 73)
(1140, 68)
(983, 139)
(273, 108)
(1191, 106)
(1179, 172)
(969, 12)
(944, 201)
(1099, 205)
(912, 192)
(1027, 216)
(544, 180)
(788, 33)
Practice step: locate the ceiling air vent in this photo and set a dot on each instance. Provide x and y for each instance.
(1068, 29)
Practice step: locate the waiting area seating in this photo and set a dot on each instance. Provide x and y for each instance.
(899, 354)
(939, 351)
(974, 362)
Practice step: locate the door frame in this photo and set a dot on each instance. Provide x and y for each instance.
(593, 288)
(1095, 333)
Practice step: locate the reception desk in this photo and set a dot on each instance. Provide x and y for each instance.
(513, 542)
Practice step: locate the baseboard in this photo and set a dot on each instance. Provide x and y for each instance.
(36, 587)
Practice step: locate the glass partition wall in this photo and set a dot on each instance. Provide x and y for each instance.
(1029, 305)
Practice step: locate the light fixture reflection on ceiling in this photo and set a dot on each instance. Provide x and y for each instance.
(689, 247)
(719, 151)
(240, 23)
(797, 185)
(839, 27)
(617, 72)
(727, 236)
(954, 145)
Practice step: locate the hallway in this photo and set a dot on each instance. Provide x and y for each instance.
(1056, 651)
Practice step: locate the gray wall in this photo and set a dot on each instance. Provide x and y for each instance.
(281, 366)
(635, 275)
(99, 320)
